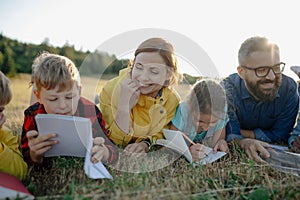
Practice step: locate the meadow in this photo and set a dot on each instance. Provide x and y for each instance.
(232, 177)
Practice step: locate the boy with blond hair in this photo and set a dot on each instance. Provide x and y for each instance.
(11, 160)
(58, 90)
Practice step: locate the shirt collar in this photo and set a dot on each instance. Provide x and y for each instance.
(41, 109)
(244, 91)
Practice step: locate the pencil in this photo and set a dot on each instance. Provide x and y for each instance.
(186, 137)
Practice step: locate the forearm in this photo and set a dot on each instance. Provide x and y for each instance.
(223, 134)
(247, 133)
(122, 118)
(218, 135)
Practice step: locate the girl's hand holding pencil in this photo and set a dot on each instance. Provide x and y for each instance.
(196, 150)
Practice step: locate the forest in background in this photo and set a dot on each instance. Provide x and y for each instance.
(17, 57)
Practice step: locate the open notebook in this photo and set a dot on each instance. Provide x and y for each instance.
(175, 141)
(283, 160)
(74, 136)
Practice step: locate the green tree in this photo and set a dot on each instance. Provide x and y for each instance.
(1, 58)
(17, 57)
(8, 65)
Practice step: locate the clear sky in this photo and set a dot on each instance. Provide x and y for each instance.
(218, 27)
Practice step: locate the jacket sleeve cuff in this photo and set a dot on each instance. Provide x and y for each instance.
(260, 135)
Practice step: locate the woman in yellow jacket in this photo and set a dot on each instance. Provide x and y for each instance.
(11, 160)
(140, 102)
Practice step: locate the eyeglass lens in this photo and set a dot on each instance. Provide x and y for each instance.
(264, 71)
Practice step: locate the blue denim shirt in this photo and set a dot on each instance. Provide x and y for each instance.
(270, 121)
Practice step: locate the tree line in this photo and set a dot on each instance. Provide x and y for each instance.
(17, 57)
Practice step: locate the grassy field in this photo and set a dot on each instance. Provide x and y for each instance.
(232, 177)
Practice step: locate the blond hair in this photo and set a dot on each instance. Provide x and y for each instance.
(166, 51)
(35, 62)
(5, 90)
(53, 70)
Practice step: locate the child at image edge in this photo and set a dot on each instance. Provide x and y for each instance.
(202, 117)
(11, 160)
(57, 89)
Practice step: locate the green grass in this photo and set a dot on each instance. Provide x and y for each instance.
(231, 177)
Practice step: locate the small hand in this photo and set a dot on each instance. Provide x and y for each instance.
(99, 151)
(197, 152)
(130, 92)
(38, 145)
(221, 145)
(141, 147)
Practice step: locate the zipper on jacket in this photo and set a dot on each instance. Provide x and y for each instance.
(159, 94)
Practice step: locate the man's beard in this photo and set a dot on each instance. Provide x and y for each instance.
(261, 95)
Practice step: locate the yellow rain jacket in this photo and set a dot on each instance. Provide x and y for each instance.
(148, 117)
(11, 159)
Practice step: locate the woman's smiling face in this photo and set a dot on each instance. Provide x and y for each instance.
(150, 72)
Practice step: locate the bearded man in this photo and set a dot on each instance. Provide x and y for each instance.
(262, 102)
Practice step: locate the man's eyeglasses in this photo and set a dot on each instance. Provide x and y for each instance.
(263, 71)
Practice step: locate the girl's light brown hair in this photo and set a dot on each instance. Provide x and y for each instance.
(165, 50)
(5, 90)
(208, 97)
(54, 70)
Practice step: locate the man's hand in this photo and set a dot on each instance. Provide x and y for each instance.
(252, 147)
